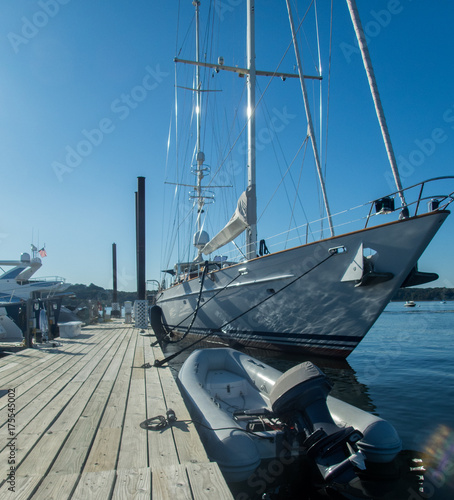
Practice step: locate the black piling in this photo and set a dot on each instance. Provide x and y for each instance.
(116, 313)
(140, 238)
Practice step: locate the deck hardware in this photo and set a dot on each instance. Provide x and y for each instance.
(339, 249)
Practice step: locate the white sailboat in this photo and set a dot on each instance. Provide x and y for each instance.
(321, 297)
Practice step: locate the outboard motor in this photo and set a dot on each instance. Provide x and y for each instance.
(299, 398)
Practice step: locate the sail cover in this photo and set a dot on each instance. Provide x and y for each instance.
(236, 225)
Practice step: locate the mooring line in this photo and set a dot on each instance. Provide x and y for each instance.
(159, 363)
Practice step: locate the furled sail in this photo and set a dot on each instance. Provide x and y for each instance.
(236, 225)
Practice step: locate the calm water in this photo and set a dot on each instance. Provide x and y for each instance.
(402, 371)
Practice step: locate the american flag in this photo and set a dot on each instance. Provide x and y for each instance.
(42, 252)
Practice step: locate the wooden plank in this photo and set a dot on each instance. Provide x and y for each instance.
(133, 484)
(56, 487)
(70, 459)
(29, 361)
(171, 483)
(104, 452)
(207, 482)
(23, 489)
(91, 424)
(24, 399)
(46, 357)
(98, 477)
(41, 382)
(133, 449)
(187, 440)
(15, 362)
(34, 421)
(41, 457)
(161, 445)
(139, 360)
(73, 454)
(95, 485)
(26, 484)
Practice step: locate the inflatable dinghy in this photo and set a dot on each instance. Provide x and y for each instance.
(247, 412)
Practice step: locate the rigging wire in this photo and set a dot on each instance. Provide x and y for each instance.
(318, 68)
(320, 82)
(209, 43)
(303, 144)
(158, 363)
(178, 26)
(292, 216)
(295, 7)
(169, 245)
(328, 85)
(288, 171)
(164, 193)
(197, 309)
(275, 154)
(262, 95)
(187, 32)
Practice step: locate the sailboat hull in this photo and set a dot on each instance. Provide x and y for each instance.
(320, 298)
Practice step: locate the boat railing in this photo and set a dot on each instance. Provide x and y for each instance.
(385, 205)
(415, 196)
(47, 279)
(360, 216)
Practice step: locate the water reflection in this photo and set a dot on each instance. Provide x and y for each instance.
(343, 377)
(414, 474)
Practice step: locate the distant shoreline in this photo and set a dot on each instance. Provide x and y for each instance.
(423, 294)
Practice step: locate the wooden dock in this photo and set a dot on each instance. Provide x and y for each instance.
(70, 424)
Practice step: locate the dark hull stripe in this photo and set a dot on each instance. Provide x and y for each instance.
(285, 341)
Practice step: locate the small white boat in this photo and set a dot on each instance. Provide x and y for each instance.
(248, 412)
(409, 303)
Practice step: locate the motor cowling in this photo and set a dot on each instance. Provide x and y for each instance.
(301, 393)
(298, 388)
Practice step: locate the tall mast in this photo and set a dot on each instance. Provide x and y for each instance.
(251, 231)
(200, 155)
(309, 118)
(377, 101)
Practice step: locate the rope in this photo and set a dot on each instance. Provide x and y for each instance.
(197, 308)
(275, 293)
(160, 422)
(263, 249)
(159, 363)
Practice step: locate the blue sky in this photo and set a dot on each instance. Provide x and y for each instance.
(87, 98)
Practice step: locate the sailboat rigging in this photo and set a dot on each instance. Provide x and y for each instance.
(320, 297)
